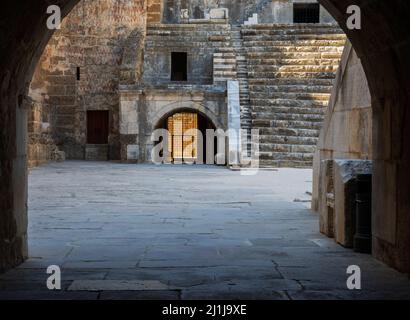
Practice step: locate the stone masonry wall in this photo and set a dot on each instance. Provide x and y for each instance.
(269, 11)
(92, 38)
(239, 10)
(347, 129)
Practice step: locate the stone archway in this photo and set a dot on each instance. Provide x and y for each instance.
(383, 44)
(193, 123)
(194, 107)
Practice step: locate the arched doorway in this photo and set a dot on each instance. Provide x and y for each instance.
(187, 131)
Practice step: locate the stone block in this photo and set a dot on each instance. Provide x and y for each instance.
(219, 13)
(345, 173)
(96, 152)
(133, 152)
(59, 156)
(326, 198)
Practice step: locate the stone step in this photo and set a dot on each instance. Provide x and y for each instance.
(311, 141)
(272, 155)
(293, 110)
(315, 117)
(152, 48)
(269, 123)
(224, 61)
(293, 68)
(288, 132)
(189, 27)
(226, 50)
(285, 26)
(194, 37)
(291, 81)
(218, 73)
(292, 96)
(290, 88)
(225, 55)
(284, 164)
(296, 74)
(223, 67)
(293, 37)
(292, 55)
(294, 43)
(249, 32)
(294, 34)
(301, 61)
(295, 49)
(288, 148)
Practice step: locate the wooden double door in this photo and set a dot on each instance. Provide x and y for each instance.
(183, 137)
(97, 127)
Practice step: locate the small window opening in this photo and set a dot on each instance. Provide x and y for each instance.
(78, 74)
(306, 13)
(179, 66)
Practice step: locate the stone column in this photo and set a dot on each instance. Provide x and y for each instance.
(234, 123)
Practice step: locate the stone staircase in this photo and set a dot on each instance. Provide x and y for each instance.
(290, 72)
(224, 65)
(200, 40)
(253, 15)
(242, 77)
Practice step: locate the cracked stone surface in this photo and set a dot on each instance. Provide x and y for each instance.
(195, 232)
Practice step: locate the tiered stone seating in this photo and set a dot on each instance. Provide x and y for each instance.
(290, 72)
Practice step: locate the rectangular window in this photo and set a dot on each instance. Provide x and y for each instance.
(97, 127)
(306, 13)
(78, 74)
(179, 66)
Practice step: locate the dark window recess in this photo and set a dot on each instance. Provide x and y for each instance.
(97, 127)
(78, 73)
(179, 66)
(306, 13)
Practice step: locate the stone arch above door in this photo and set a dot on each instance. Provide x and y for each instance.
(187, 106)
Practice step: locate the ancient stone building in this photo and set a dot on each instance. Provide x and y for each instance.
(77, 81)
(101, 89)
(344, 151)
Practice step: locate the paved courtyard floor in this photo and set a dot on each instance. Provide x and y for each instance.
(121, 231)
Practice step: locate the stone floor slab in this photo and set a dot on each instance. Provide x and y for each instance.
(199, 232)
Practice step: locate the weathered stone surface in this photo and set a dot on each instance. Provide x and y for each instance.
(326, 202)
(195, 241)
(234, 123)
(289, 86)
(346, 134)
(61, 99)
(344, 175)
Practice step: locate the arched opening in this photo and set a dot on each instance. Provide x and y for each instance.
(187, 132)
(382, 45)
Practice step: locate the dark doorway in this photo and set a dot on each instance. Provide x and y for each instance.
(182, 146)
(306, 13)
(97, 127)
(179, 66)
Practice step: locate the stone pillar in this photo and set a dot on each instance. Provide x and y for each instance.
(391, 187)
(13, 177)
(234, 123)
(154, 11)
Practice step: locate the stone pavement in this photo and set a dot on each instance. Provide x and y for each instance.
(122, 231)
